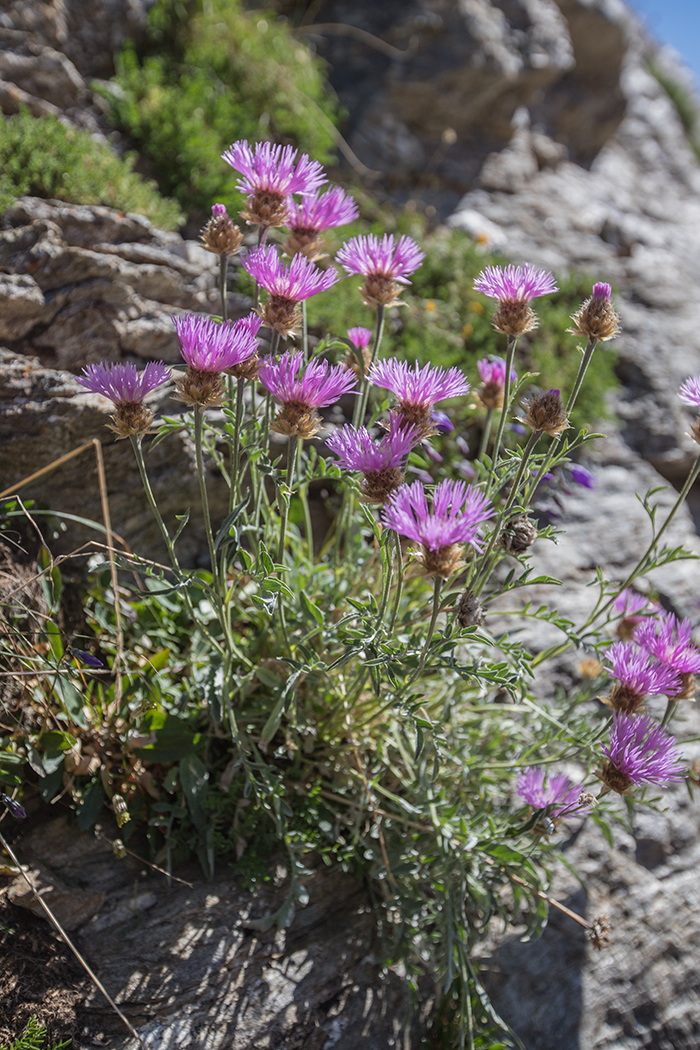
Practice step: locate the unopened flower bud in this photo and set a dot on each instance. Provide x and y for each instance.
(518, 535)
(469, 611)
(597, 319)
(545, 413)
(220, 235)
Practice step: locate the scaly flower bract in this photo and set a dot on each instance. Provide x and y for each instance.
(556, 791)
(417, 389)
(126, 387)
(596, 319)
(454, 518)
(640, 752)
(385, 265)
(303, 389)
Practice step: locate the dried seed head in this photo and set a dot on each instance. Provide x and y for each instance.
(130, 418)
(518, 535)
(220, 235)
(469, 611)
(597, 319)
(545, 413)
(589, 667)
(514, 318)
(200, 388)
(599, 932)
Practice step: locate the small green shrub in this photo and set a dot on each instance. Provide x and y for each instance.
(33, 1038)
(683, 102)
(211, 74)
(45, 158)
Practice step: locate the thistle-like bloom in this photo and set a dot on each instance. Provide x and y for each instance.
(381, 462)
(689, 392)
(302, 390)
(457, 512)
(596, 318)
(360, 339)
(514, 287)
(286, 286)
(385, 265)
(556, 791)
(126, 387)
(220, 235)
(493, 378)
(270, 175)
(210, 348)
(316, 213)
(417, 389)
(628, 604)
(669, 640)
(545, 413)
(640, 752)
(638, 675)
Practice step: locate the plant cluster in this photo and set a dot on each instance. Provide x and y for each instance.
(42, 157)
(349, 693)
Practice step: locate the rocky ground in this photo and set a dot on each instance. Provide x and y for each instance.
(537, 126)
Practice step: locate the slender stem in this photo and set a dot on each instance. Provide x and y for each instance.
(138, 452)
(486, 433)
(223, 272)
(387, 561)
(670, 711)
(198, 432)
(431, 628)
(510, 356)
(399, 582)
(286, 498)
(304, 332)
(304, 498)
(235, 490)
(363, 396)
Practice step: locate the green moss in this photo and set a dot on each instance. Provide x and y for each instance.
(42, 157)
(210, 74)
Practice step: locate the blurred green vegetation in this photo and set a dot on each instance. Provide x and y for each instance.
(42, 157)
(685, 104)
(208, 75)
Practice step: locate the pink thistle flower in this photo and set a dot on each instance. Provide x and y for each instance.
(287, 286)
(385, 265)
(629, 602)
(302, 390)
(640, 752)
(316, 213)
(689, 392)
(270, 175)
(126, 387)
(556, 791)
(457, 512)
(601, 290)
(360, 337)
(493, 378)
(668, 640)
(417, 389)
(381, 462)
(637, 675)
(514, 287)
(210, 348)
(360, 340)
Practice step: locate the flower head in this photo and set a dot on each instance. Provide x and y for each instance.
(640, 752)
(417, 389)
(597, 319)
(210, 348)
(303, 389)
(286, 286)
(668, 640)
(360, 340)
(638, 675)
(270, 175)
(514, 287)
(581, 476)
(126, 387)
(385, 265)
(628, 604)
(381, 462)
(689, 392)
(220, 235)
(454, 518)
(493, 379)
(442, 422)
(360, 337)
(556, 791)
(545, 413)
(316, 213)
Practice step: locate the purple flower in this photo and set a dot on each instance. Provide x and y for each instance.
(629, 602)
(318, 212)
(558, 792)
(581, 476)
(124, 384)
(357, 450)
(689, 392)
(208, 346)
(601, 290)
(442, 422)
(637, 675)
(303, 389)
(14, 808)
(493, 378)
(300, 280)
(457, 512)
(218, 211)
(384, 263)
(515, 284)
(640, 752)
(360, 337)
(668, 639)
(270, 175)
(417, 389)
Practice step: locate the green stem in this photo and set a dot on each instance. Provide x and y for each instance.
(363, 396)
(486, 433)
(431, 628)
(670, 711)
(138, 452)
(304, 332)
(304, 498)
(235, 489)
(223, 272)
(198, 433)
(510, 357)
(286, 498)
(399, 582)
